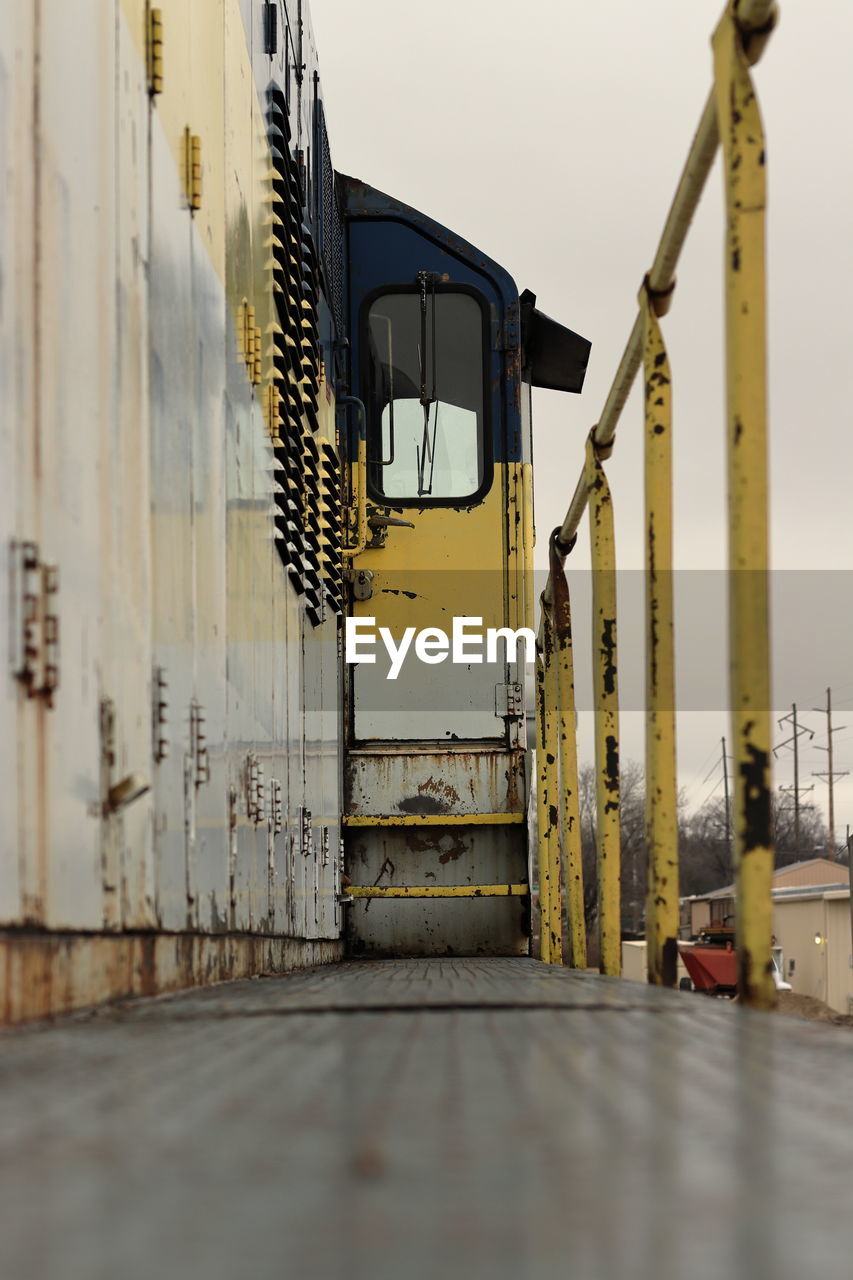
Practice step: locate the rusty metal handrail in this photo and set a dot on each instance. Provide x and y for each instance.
(756, 18)
(731, 117)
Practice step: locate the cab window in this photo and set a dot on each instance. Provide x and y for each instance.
(425, 396)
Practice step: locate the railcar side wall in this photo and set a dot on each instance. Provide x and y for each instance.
(156, 629)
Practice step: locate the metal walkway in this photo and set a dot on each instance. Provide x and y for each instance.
(494, 1118)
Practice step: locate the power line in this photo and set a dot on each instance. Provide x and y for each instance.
(829, 773)
(794, 743)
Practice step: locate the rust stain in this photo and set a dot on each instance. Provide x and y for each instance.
(440, 788)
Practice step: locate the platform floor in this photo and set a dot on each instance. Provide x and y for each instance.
(414, 1119)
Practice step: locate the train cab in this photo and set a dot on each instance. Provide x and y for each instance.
(443, 355)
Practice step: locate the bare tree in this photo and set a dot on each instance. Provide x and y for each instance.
(705, 860)
(632, 844)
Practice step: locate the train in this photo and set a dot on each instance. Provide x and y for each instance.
(249, 401)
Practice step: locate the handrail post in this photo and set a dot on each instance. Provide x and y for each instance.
(608, 830)
(742, 137)
(570, 819)
(548, 852)
(661, 787)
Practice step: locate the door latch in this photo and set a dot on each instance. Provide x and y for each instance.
(361, 583)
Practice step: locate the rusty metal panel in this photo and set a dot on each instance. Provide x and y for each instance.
(453, 782)
(435, 855)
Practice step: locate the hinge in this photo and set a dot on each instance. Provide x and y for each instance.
(35, 630)
(249, 337)
(257, 802)
(271, 29)
(509, 701)
(277, 807)
(154, 51)
(160, 714)
(256, 357)
(192, 169)
(50, 591)
(272, 410)
(306, 832)
(198, 744)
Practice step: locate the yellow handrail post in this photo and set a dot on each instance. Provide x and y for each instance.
(661, 787)
(550, 937)
(608, 832)
(742, 137)
(570, 818)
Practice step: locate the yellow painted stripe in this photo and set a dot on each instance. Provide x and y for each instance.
(439, 891)
(431, 819)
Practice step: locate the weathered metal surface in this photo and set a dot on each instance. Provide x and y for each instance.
(547, 804)
(571, 844)
(136, 458)
(442, 857)
(18, 438)
(745, 175)
(488, 1118)
(439, 891)
(45, 974)
(661, 780)
(607, 832)
(434, 819)
(454, 781)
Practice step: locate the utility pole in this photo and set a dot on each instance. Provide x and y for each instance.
(794, 742)
(850, 877)
(829, 773)
(728, 810)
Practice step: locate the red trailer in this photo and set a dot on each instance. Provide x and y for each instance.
(712, 961)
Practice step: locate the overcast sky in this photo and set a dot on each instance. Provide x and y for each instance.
(552, 136)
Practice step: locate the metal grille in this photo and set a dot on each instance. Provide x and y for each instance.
(331, 225)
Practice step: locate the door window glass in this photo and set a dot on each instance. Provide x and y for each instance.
(425, 396)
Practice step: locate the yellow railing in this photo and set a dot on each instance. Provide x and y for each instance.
(731, 116)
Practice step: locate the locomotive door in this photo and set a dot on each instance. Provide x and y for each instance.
(428, 362)
(434, 782)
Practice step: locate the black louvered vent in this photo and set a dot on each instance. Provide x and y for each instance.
(303, 537)
(331, 223)
(332, 533)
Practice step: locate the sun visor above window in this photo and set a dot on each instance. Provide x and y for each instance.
(552, 355)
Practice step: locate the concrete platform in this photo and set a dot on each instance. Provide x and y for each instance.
(414, 1119)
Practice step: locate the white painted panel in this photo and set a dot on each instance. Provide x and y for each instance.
(172, 408)
(17, 433)
(76, 290)
(128, 556)
(210, 886)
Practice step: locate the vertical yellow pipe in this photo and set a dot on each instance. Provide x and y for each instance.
(603, 548)
(742, 137)
(661, 787)
(570, 818)
(546, 829)
(552, 751)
